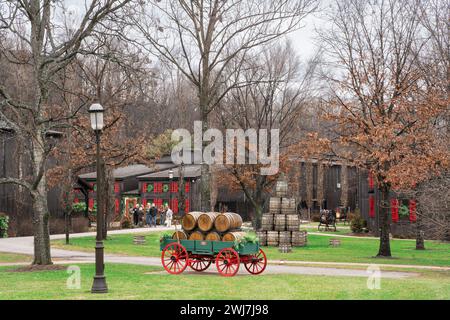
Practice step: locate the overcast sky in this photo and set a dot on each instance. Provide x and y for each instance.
(302, 39)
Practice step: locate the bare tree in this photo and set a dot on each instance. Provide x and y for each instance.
(36, 26)
(280, 91)
(433, 212)
(204, 38)
(383, 117)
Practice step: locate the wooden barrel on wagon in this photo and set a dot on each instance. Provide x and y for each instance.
(274, 205)
(284, 237)
(182, 235)
(267, 221)
(227, 221)
(281, 189)
(233, 236)
(299, 238)
(190, 220)
(292, 222)
(288, 206)
(280, 222)
(197, 235)
(213, 236)
(272, 238)
(262, 236)
(206, 220)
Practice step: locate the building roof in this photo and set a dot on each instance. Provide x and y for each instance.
(129, 171)
(190, 171)
(227, 195)
(131, 192)
(195, 157)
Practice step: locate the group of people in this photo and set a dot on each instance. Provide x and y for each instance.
(151, 212)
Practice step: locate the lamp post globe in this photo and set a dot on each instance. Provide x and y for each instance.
(96, 112)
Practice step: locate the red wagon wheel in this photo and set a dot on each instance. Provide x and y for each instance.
(256, 263)
(199, 264)
(227, 262)
(174, 258)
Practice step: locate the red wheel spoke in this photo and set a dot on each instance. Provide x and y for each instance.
(227, 262)
(200, 264)
(174, 258)
(256, 263)
(170, 265)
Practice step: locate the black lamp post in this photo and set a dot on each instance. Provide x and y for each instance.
(99, 286)
(170, 186)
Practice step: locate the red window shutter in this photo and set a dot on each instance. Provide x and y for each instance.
(144, 187)
(371, 206)
(158, 202)
(174, 205)
(116, 187)
(186, 206)
(174, 187)
(117, 206)
(371, 183)
(158, 187)
(394, 210)
(187, 187)
(412, 210)
(91, 203)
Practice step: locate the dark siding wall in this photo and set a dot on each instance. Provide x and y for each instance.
(331, 192)
(403, 228)
(14, 201)
(353, 189)
(195, 195)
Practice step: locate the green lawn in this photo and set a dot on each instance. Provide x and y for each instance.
(12, 257)
(132, 282)
(359, 250)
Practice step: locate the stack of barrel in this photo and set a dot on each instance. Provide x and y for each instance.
(281, 226)
(212, 226)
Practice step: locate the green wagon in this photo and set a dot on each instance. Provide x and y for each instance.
(177, 255)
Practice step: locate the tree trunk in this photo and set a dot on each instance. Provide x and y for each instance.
(41, 214)
(106, 196)
(420, 239)
(67, 226)
(258, 216)
(41, 226)
(205, 181)
(181, 191)
(385, 246)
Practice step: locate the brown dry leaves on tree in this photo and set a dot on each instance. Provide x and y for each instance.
(79, 154)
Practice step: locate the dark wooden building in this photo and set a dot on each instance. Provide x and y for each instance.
(157, 188)
(15, 201)
(126, 185)
(334, 185)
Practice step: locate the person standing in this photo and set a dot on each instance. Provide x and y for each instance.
(153, 213)
(162, 219)
(141, 215)
(169, 216)
(148, 220)
(136, 215)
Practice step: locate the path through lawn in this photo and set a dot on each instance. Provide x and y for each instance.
(360, 250)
